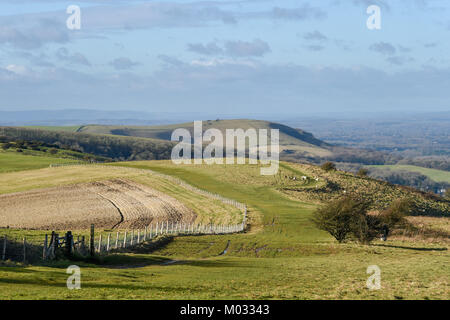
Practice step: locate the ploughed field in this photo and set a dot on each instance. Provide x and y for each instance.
(74, 197)
(109, 204)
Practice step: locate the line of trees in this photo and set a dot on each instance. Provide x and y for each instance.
(114, 147)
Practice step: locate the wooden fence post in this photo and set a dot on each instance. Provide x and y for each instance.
(4, 248)
(91, 242)
(68, 240)
(44, 252)
(82, 247)
(55, 244)
(24, 249)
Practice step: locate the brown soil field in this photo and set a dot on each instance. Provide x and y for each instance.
(109, 204)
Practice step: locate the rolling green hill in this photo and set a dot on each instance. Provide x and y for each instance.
(290, 138)
(281, 256)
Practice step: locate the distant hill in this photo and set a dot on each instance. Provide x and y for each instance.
(291, 140)
(109, 146)
(132, 142)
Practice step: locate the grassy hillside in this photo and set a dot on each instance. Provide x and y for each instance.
(13, 161)
(329, 185)
(290, 138)
(433, 174)
(153, 142)
(283, 256)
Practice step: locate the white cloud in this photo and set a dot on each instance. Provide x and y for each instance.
(17, 69)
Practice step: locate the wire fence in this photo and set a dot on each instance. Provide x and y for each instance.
(237, 204)
(20, 250)
(127, 239)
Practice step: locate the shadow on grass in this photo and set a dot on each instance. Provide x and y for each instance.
(127, 286)
(410, 248)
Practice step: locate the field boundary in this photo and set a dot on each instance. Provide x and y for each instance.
(178, 181)
(120, 241)
(128, 239)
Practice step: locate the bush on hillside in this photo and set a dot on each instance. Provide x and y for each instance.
(328, 166)
(366, 228)
(338, 217)
(363, 172)
(395, 214)
(349, 218)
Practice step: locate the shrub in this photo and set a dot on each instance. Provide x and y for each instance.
(7, 145)
(366, 227)
(395, 214)
(363, 172)
(338, 217)
(328, 166)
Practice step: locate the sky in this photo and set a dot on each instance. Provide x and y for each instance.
(254, 56)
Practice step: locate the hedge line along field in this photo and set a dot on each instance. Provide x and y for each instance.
(282, 256)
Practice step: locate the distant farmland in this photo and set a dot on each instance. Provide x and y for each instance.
(433, 174)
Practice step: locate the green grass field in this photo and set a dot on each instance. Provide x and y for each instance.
(282, 256)
(433, 174)
(13, 161)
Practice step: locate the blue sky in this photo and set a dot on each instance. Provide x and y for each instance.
(226, 56)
